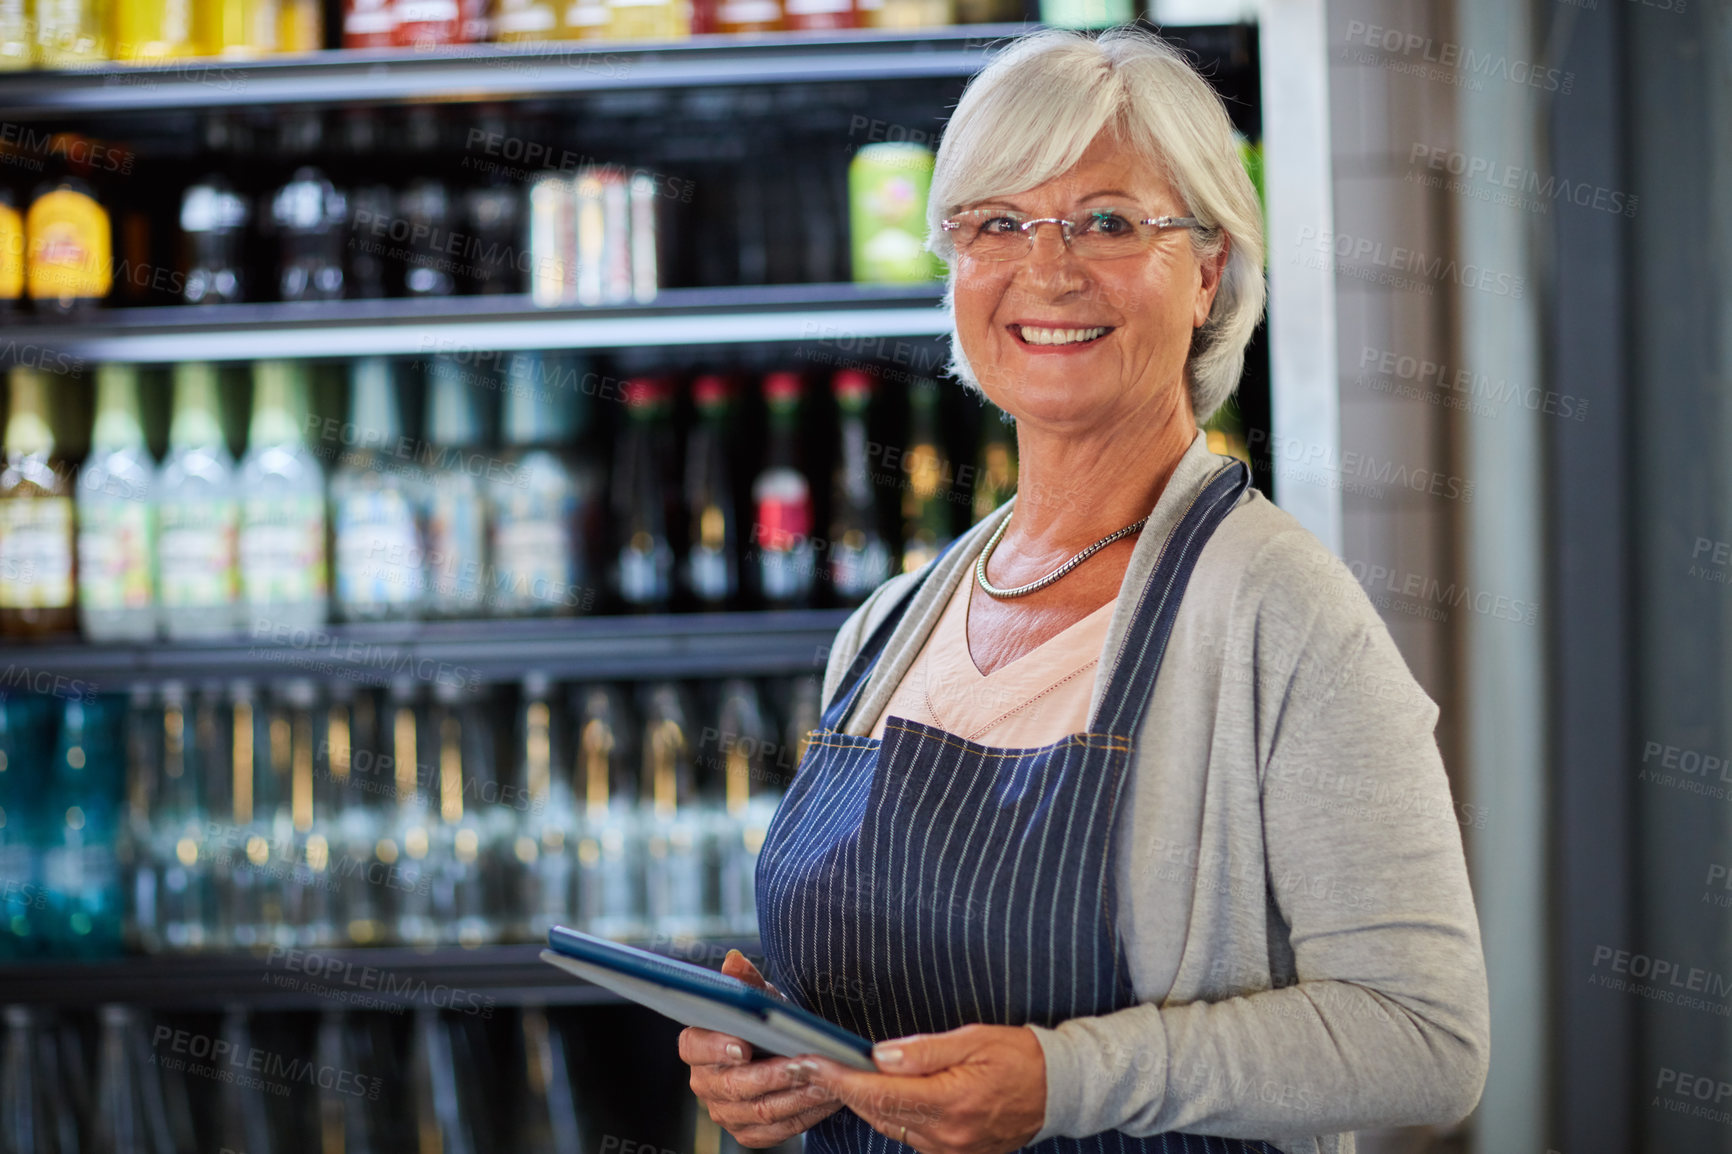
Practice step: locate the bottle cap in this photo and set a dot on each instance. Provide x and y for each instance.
(851, 384)
(646, 392)
(782, 386)
(712, 389)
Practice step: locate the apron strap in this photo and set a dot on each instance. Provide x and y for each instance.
(1139, 659)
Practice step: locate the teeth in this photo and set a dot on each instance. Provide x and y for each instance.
(1059, 336)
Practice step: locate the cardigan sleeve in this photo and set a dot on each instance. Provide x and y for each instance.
(1388, 1022)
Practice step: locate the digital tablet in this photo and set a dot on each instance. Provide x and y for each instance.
(695, 996)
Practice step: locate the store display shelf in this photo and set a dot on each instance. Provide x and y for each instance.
(504, 71)
(695, 645)
(844, 315)
(473, 981)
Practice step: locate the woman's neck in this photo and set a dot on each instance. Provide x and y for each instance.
(1074, 489)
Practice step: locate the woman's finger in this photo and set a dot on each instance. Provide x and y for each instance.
(738, 965)
(778, 1132)
(768, 1109)
(751, 1080)
(700, 1047)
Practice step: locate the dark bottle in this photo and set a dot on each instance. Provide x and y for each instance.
(782, 503)
(926, 489)
(712, 562)
(213, 221)
(859, 557)
(128, 1119)
(995, 469)
(547, 1113)
(643, 553)
(11, 255)
(69, 241)
(243, 1121)
(310, 217)
(370, 241)
(493, 216)
(37, 575)
(344, 1113)
(424, 210)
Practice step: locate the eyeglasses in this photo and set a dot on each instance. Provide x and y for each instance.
(1104, 234)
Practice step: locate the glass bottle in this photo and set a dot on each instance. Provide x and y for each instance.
(69, 244)
(546, 840)
(425, 209)
(12, 244)
(609, 900)
(237, 29)
(243, 1115)
(26, 747)
(180, 858)
(378, 504)
(712, 562)
(859, 557)
(925, 506)
(457, 520)
(525, 20)
(677, 835)
(283, 569)
(69, 33)
(127, 1120)
(1085, 13)
(151, 31)
(474, 827)
(116, 520)
(27, 1116)
(37, 578)
(213, 221)
(995, 469)
(547, 1113)
(346, 1115)
(197, 515)
(80, 870)
(643, 555)
(302, 830)
(310, 217)
(249, 881)
(427, 24)
(540, 501)
(300, 26)
(805, 712)
(750, 793)
(354, 757)
(493, 214)
(370, 275)
(782, 502)
(409, 837)
(17, 47)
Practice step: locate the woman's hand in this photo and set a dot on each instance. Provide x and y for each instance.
(976, 1090)
(760, 1103)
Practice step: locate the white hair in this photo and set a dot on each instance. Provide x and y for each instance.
(1040, 102)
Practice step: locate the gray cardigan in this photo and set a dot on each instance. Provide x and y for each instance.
(1292, 893)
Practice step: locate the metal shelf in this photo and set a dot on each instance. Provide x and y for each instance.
(746, 644)
(499, 71)
(393, 979)
(844, 314)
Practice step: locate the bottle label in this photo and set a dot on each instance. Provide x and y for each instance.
(751, 11)
(818, 7)
(11, 253)
(534, 560)
(708, 569)
(36, 553)
(69, 257)
(378, 549)
(525, 16)
(114, 554)
(644, 576)
(857, 571)
(282, 550)
(195, 554)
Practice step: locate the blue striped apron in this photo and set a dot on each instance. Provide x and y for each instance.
(921, 882)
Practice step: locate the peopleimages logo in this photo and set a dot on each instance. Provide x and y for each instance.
(1402, 263)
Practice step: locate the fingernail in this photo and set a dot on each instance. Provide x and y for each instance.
(733, 1051)
(807, 1067)
(887, 1055)
(816, 1092)
(730, 955)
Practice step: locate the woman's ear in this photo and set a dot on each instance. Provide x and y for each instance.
(1209, 284)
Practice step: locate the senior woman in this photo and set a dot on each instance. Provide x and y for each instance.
(1125, 827)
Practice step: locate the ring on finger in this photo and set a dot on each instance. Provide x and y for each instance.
(903, 1138)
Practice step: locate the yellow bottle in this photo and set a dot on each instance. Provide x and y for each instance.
(300, 26)
(649, 19)
(517, 21)
(69, 33)
(11, 254)
(68, 249)
(235, 28)
(151, 31)
(15, 47)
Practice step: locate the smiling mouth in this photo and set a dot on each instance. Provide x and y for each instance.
(1048, 337)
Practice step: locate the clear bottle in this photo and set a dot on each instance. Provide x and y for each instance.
(548, 1120)
(69, 33)
(859, 557)
(546, 838)
(750, 793)
(353, 758)
(213, 222)
(80, 870)
(643, 554)
(16, 42)
(180, 860)
(474, 827)
(310, 217)
(610, 885)
(243, 1116)
(995, 468)
(457, 521)
(378, 503)
(116, 520)
(926, 509)
(197, 515)
(303, 830)
(127, 1120)
(678, 846)
(138, 877)
(248, 872)
(782, 503)
(712, 561)
(804, 713)
(25, 750)
(37, 578)
(540, 500)
(408, 843)
(284, 574)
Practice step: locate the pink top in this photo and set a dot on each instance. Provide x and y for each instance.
(1041, 697)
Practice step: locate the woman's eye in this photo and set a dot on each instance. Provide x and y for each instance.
(1107, 224)
(999, 225)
